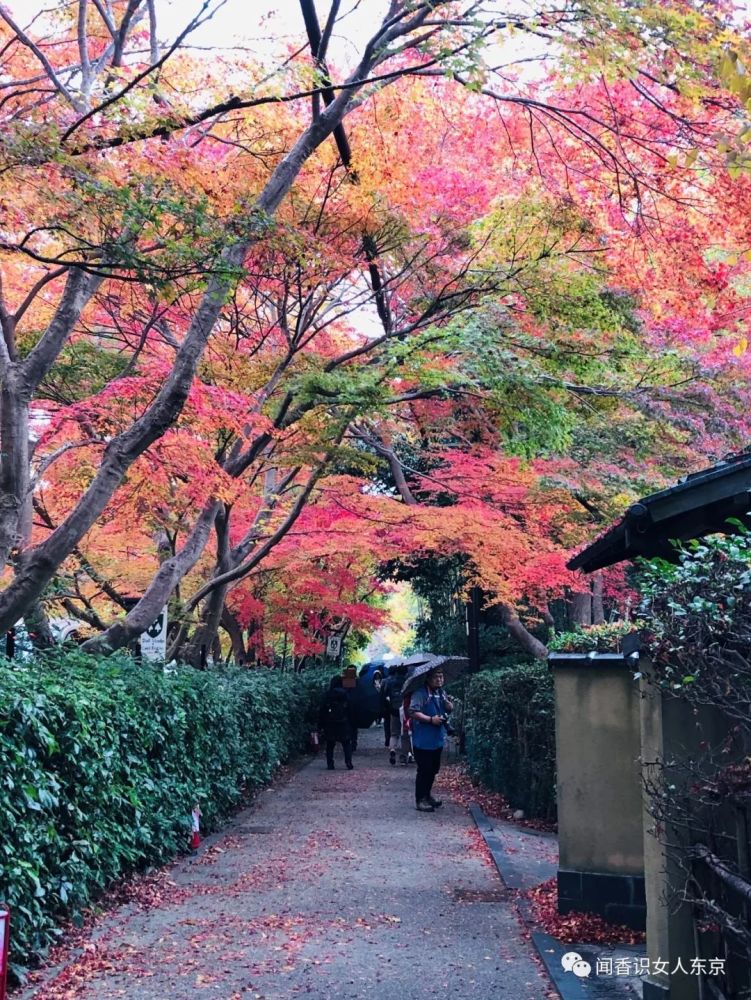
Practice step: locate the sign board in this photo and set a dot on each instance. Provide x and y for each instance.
(154, 639)
(4, 936)
(333, 645)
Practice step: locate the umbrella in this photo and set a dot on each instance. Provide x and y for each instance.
(366, 700)
(416, 659)
(452, 666)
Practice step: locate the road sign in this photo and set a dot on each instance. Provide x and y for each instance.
(4, 936)
(333, 646)
(154, 639)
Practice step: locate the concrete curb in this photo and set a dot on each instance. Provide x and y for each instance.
(568, 986)
(511, 878)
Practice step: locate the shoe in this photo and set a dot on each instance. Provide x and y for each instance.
(392, 758)
(424, 806)
(330, 767)
(435, 803)
(410, 758)
(350, 767)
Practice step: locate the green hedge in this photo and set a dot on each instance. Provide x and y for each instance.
(510, 728)
(102, 762)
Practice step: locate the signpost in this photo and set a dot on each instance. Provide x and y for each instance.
(4, 938)
(154, 639)
(333, 646)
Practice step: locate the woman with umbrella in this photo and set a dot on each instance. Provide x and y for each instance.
(428, 709)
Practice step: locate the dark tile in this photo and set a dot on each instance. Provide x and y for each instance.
(598, 890)
(569, 884)
(651, 991)
(634, 917)
(571, 906)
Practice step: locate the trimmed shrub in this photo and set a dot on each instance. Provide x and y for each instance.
(605, 638)
(102, 763)
(510, 727)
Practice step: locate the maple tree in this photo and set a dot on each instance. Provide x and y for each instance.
(182, 269)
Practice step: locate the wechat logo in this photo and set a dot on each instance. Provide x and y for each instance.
(573, 962)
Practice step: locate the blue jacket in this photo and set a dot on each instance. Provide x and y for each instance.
(426, 736)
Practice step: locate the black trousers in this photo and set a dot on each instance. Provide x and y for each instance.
(428, 765)
(387, 727)
(346, 746)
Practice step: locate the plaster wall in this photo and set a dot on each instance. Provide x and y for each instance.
(598, 770)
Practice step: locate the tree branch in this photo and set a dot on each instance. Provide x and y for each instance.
(48, 68)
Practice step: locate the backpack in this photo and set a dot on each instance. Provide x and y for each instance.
(336, 712)
(392, 693)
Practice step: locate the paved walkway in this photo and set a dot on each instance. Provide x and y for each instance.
(331, 886)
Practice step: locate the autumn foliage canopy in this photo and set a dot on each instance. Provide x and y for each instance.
(273, 321)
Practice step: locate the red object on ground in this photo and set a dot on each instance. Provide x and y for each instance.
(195, 834)
(4, 938)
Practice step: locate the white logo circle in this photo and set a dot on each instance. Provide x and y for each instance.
(581, 969)
(570, 959)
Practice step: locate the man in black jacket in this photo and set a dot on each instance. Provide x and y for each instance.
(337, 723)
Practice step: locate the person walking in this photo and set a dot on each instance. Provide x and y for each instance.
(336, 721)
(377, 684)
(386, 709)
(350, 689)
(392, 688)
(406, 729)
(428, 710)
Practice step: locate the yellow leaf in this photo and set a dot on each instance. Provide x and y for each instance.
(741, 347)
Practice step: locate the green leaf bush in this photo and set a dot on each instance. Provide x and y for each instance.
(510, 736)
(604, 638)
(103, 761)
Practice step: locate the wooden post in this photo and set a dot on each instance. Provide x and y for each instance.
(473, 629)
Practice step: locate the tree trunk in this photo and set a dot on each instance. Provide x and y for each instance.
(581, 609)
(15, 498)
(216, 651)
(211, 615)
(19, 381)
(598, 603)
(38, 627)
(231, 626)
(518, 631)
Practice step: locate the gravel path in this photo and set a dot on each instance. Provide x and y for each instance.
(331, 886)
